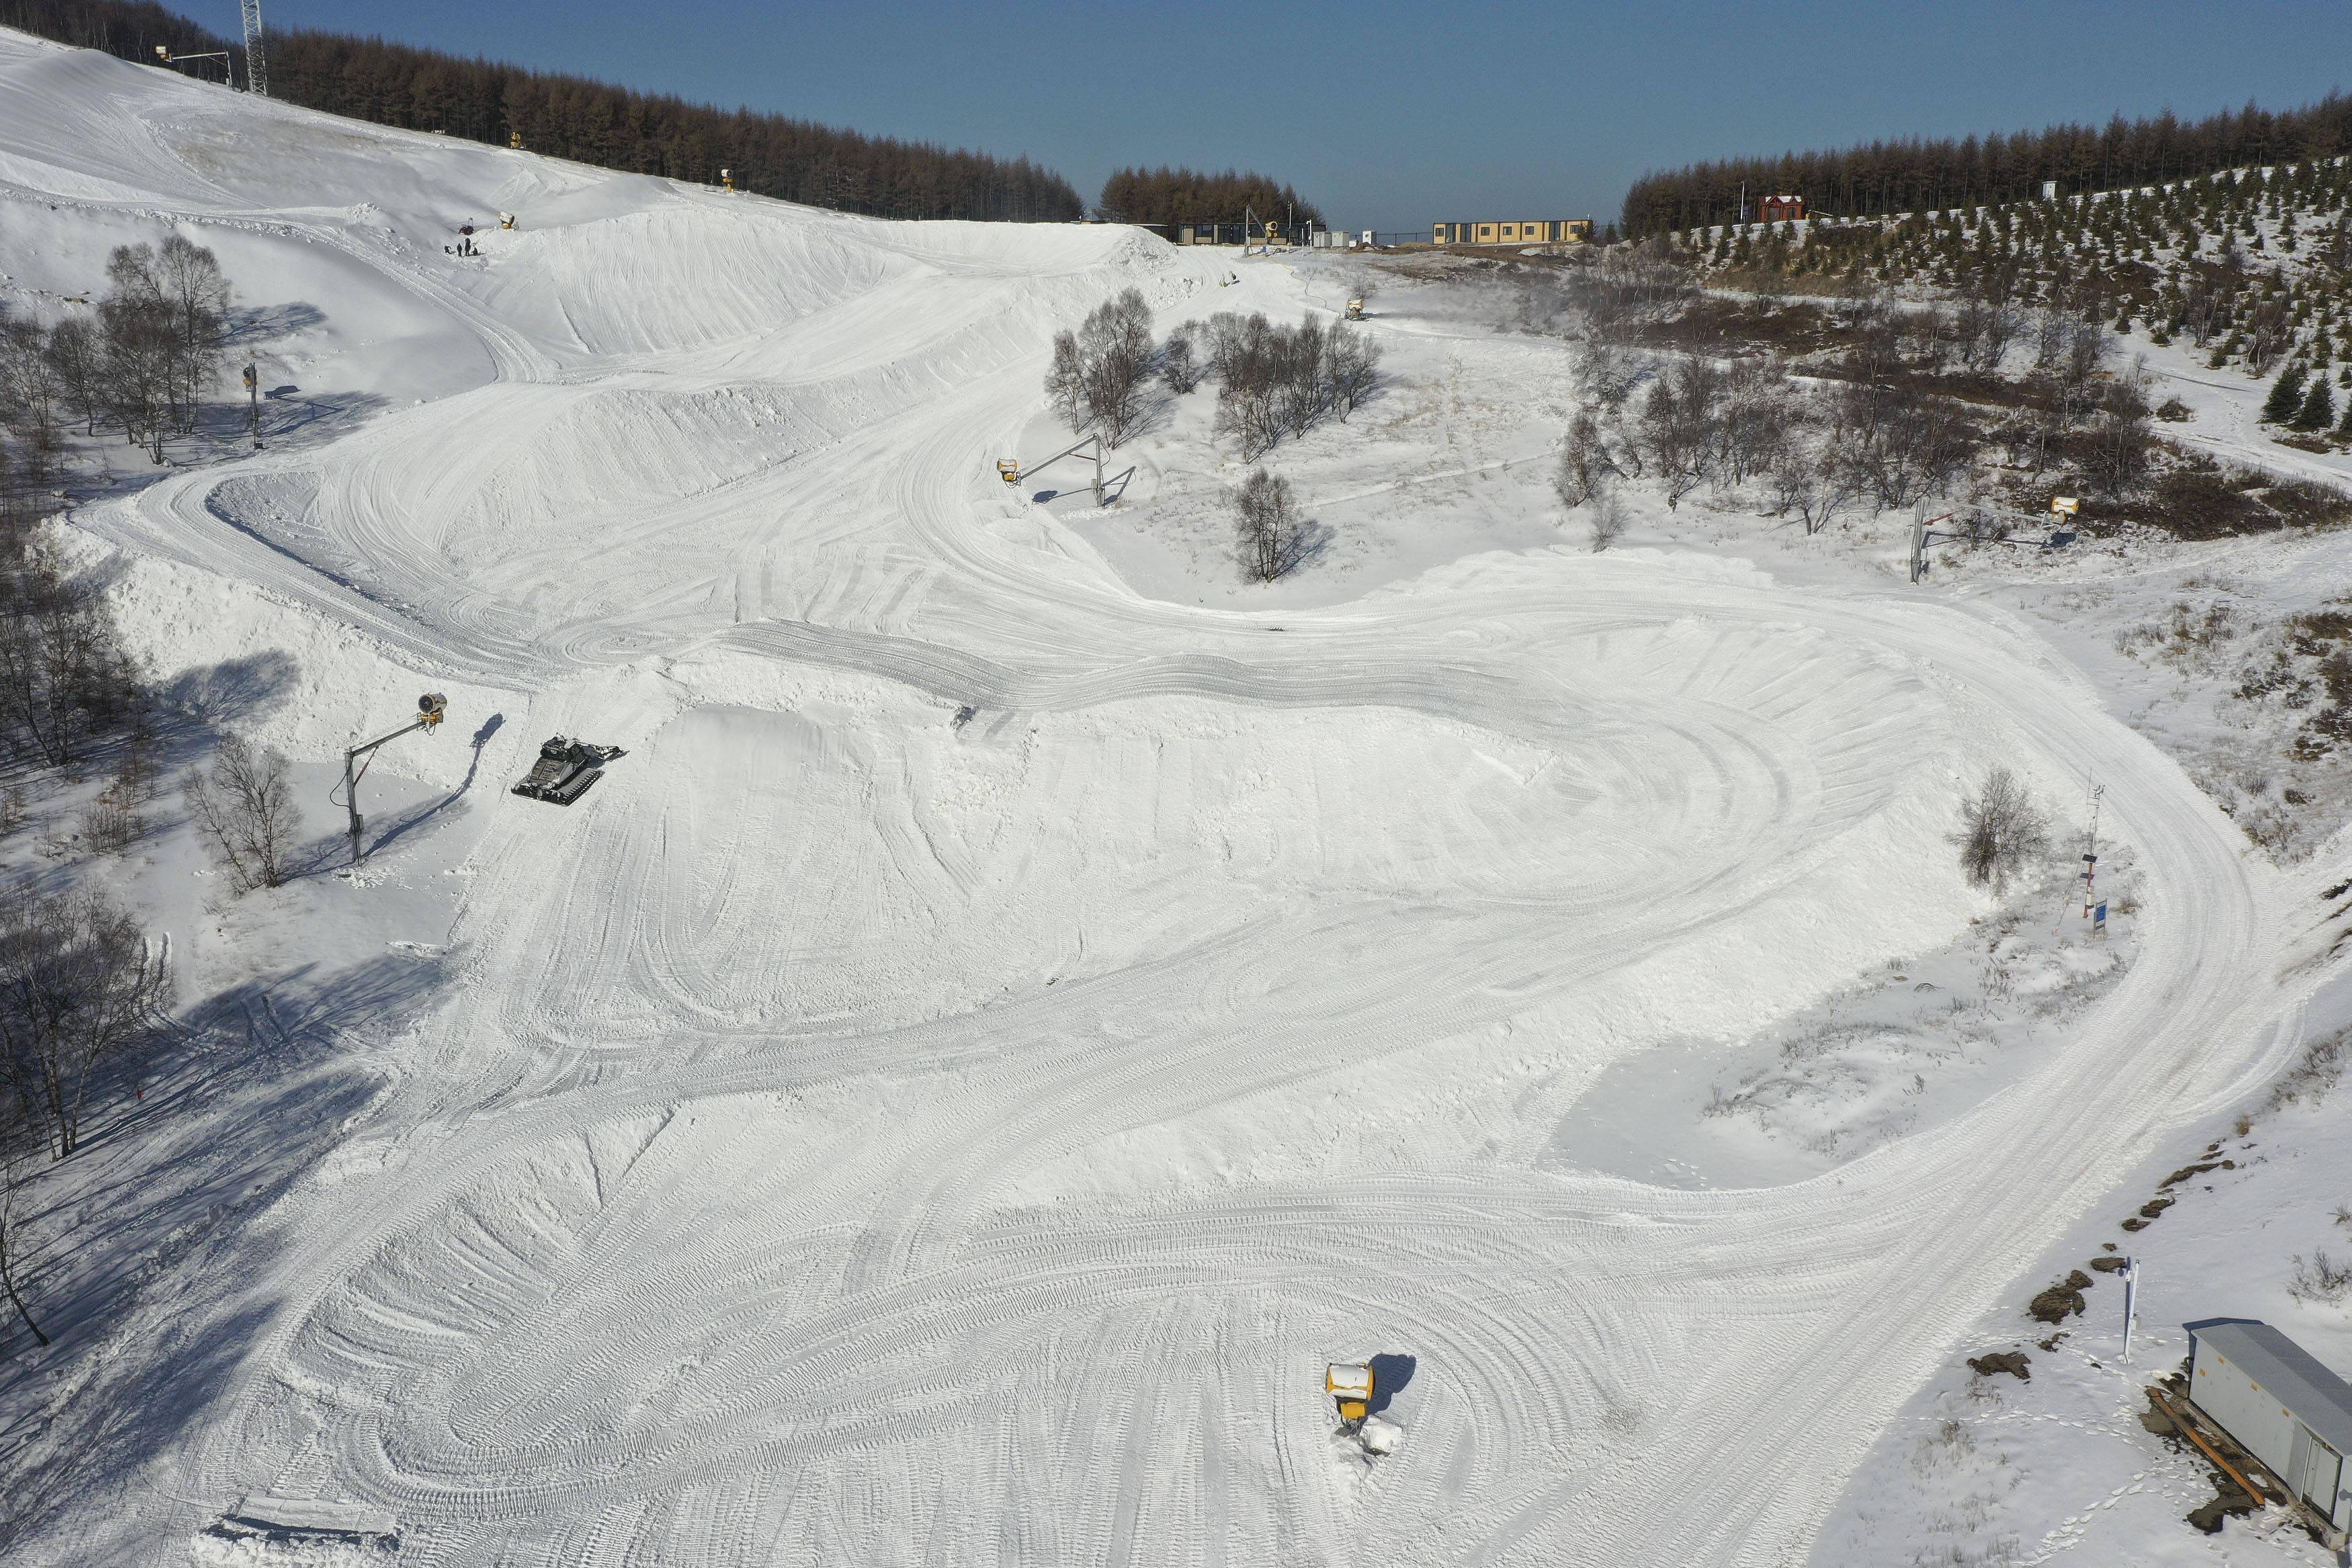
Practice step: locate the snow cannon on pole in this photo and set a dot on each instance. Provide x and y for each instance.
(431, 709)
(1011, 472)
(1356, 308)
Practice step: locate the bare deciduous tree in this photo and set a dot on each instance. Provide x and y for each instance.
(1180, 363)
(78, 356)
(1815, 485)
(18, 1249)
(1678, 421)
(1273, 533)
(1585, 463)
(1760, 414)
(2115, 456)
(244, 810)
(1065, 380)
(77, 984)
(1351, 366)
(62, 672)
(1115, 351)
(2001, 831)
(196, 294)
(1099, 372)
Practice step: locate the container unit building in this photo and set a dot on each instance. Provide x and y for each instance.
(1525, 231)
(2280, 1405)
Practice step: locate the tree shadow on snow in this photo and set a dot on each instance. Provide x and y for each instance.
(260, 324)
(1306, 547)
(147, 1236)
(234, 691)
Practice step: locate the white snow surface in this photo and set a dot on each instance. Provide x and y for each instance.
(851, 1135)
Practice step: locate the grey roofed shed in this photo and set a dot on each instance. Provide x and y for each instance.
(2280, 1403)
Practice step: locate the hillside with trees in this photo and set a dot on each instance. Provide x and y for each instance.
(1187, 196)
(1920, 174)
(590, 121)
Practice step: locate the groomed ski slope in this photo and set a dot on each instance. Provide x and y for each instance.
(857, 1137)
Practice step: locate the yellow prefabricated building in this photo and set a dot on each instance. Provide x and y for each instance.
(1523, 231)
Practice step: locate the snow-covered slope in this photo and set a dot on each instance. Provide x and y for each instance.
(857, 1134)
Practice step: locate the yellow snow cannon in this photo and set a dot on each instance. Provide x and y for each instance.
(1350, 1387)
(1355, 309)
(1008, 470)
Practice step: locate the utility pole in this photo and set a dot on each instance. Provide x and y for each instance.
(253, 399)
(430, 708)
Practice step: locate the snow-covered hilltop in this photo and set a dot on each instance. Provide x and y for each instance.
(1028, 1000)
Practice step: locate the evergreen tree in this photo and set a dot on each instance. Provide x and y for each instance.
(2287, 396)
(1187, 196)
(2318, 409)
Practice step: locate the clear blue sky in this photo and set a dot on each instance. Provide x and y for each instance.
(1391, 114)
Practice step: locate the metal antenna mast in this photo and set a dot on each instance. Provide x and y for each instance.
(257, 63)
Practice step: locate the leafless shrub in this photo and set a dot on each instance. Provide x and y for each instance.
(1607, 515)
(2001, 831)
(1273, 533)
(108, 825)
(2315, 1072)
(2319, 1280)
(77, 983)
(244, 811)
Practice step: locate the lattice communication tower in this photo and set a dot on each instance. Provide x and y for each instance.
(257, 63)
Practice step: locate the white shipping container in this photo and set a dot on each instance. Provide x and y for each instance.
(2280, 1405)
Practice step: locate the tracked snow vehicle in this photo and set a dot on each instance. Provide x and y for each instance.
(565, 769)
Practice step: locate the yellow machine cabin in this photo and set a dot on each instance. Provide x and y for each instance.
(1350, 1387)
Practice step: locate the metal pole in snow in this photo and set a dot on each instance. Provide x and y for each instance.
(2131, 1303)
(351, 801)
